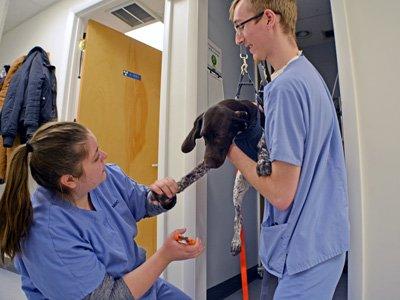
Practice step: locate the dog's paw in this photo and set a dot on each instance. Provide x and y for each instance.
(264, 168)
(235, 247)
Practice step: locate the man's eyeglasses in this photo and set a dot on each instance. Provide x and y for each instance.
(239, 27)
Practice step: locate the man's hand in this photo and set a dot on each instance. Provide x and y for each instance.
(248, 140)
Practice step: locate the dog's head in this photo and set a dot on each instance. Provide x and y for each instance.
(218, 126)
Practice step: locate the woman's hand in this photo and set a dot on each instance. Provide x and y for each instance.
(166, 186)
(172, 250)
(143, 277)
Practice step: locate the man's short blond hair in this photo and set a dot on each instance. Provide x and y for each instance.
(286, 8)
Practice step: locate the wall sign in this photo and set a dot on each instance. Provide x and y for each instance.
(132, 75)
(214, 63)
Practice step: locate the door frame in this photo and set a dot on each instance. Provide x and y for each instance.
(191, 276)
(351, 135)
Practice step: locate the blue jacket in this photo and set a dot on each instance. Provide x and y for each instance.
(31, 98)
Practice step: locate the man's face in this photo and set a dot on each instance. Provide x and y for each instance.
(252, 34)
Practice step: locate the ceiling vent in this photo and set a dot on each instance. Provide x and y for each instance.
(133, 15)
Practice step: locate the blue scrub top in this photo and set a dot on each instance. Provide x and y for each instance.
(301, 128)
(69, 250)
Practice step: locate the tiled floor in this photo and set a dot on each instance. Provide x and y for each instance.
(255, 290)
(10, 288)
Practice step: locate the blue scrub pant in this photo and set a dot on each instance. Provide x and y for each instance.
(318, 282)
(163, 290)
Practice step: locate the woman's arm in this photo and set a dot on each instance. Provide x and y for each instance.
(134, 284)
(111, 289)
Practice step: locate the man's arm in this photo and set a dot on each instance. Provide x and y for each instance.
(279, 188)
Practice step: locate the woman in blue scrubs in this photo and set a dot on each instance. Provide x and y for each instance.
(74, 238)
(305, 231)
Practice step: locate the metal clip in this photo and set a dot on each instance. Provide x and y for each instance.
(243, 68)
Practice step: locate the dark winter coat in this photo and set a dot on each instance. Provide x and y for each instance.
(6, 153)
(31, 98)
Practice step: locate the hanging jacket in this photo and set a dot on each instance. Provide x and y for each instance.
(5, 153)
(3, 75)
(10, 74)
(31, 98)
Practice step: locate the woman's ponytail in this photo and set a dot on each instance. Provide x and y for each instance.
(15, 205)
(55, 149)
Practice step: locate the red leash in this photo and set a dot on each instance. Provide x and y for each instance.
(243, 268)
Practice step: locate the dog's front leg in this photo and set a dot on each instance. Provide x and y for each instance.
(239, 190)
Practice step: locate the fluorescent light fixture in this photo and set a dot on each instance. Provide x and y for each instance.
(152, 35)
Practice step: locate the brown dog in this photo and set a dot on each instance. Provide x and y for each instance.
(218, 126)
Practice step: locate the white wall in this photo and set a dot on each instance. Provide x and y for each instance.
(3, 13)
(367, 39)
(48, 30)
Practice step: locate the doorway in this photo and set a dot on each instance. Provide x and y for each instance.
(118, 87)
(316, 38)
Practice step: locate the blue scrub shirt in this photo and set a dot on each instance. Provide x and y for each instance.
(301, 128)
(69, 250)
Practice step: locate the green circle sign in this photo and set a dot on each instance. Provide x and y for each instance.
(213, 60)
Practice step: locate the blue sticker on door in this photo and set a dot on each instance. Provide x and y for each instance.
(132, 75)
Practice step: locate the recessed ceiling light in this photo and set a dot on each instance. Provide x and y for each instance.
(303, 34)
(151, 35)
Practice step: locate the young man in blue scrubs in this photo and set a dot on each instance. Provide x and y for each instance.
(74, 238)
(305, 230)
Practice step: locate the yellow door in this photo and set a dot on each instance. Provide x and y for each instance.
(123, 112)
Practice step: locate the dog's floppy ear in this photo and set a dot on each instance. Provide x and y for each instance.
(240, 120)
(190, 141)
